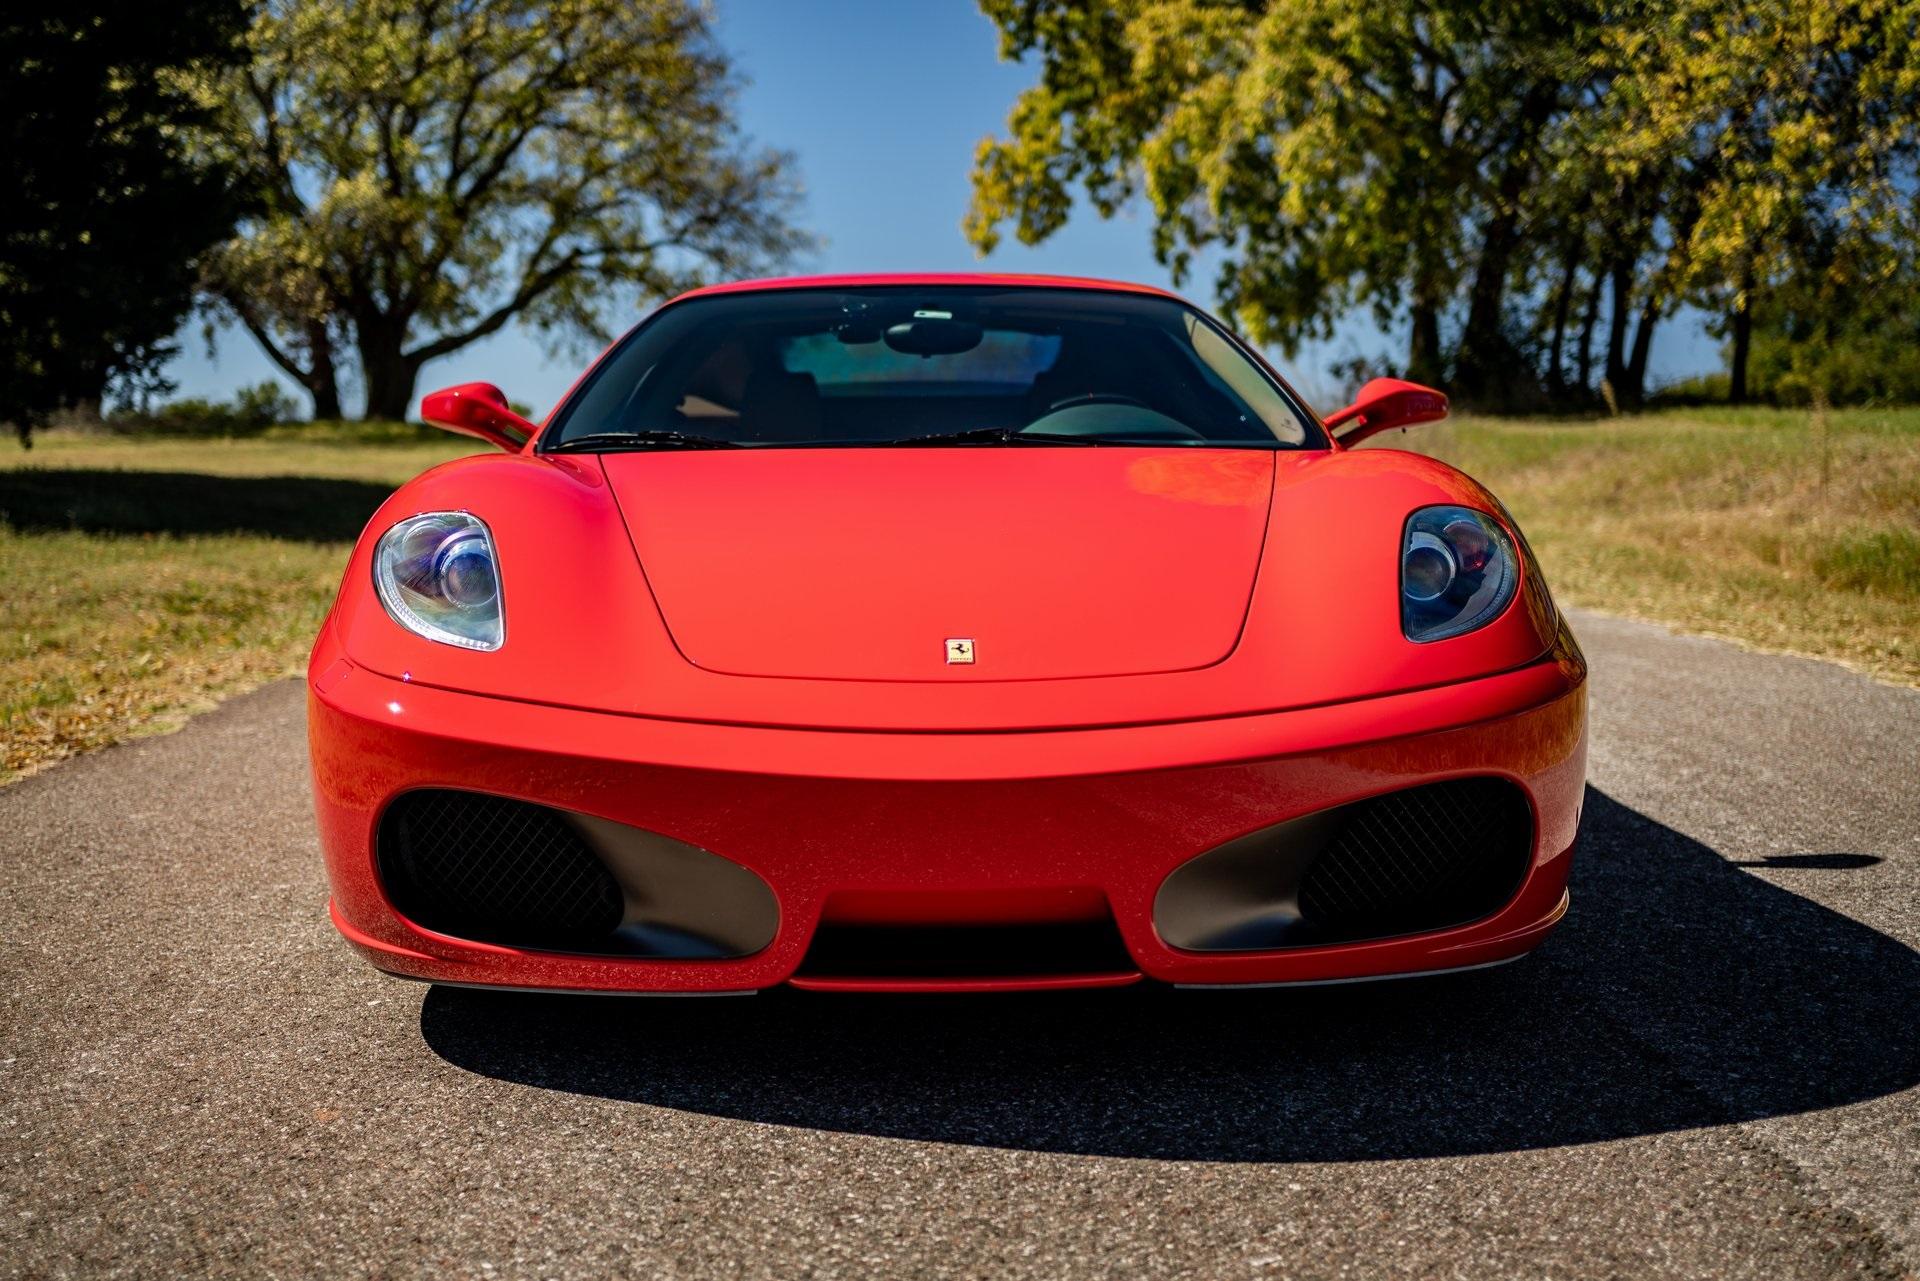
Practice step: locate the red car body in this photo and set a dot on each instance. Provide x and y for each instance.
(738, 653)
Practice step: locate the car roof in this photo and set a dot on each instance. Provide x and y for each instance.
(1002, 279)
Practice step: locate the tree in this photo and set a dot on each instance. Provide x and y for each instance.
(1509, 179)
(1806, 203)
(1343, 153)
(105, 208)
(435, 169)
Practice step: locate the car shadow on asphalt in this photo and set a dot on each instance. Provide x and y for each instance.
(1681, 992)
(104, 501)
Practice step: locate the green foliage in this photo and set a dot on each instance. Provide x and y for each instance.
(433, 172)
(1500, 176)
(1858, 347)
(264, 403)
(105, 210)
(251, 412)
(1702, 389)
(1860, 369)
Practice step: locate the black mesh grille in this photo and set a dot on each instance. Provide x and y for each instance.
(1421, 859)
(496, 871)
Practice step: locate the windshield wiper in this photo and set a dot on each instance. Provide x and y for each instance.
(608, 441)
(995, 436)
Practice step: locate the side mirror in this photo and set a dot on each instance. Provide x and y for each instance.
(1386, 403)
(477, 409)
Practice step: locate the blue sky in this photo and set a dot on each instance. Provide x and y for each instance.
(882, 102)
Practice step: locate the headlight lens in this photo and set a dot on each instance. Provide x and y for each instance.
(1457, 572)
(437, 576)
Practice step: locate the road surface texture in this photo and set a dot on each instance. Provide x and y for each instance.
(1709, 1071)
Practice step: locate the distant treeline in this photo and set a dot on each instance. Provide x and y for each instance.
(1527, 187)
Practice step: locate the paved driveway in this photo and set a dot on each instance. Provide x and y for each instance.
(1711, 1068)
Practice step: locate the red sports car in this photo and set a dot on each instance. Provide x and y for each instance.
(942, 633)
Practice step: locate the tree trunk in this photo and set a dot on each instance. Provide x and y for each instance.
(322, 381)
(326, 402)
(390, 378)
(1483, 358)
(1425, 364)
(1635, 390)
(1587, 322)
(1562, 310)
(1486, 359)
(1423, 348)
(390, 372)
(1742, 344)
(318, 375)
(1617, 325)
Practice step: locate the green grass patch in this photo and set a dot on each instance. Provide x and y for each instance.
(1784, 529)
(1884, 563)
(142, 579)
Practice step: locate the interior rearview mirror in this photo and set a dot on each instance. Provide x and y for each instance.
(939, 336)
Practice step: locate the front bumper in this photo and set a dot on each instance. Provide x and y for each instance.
(944, 828)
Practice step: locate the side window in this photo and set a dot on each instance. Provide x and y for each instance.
(1237, 373)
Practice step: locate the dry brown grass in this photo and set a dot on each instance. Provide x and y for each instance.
(141, 581)
(1769, 527)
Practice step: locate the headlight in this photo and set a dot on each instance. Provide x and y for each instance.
(437, 576)
(1457, 572)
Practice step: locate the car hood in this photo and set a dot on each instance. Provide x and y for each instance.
(862, 564)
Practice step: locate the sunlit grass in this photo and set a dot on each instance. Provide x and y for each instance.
(142, 580)
(1782, 529)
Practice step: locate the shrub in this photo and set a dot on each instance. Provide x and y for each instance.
(1701, 389)
(262, 405)
(252, 411)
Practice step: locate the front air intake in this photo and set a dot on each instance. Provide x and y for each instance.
(1406, 862)
(496, 870)
(1420, 859)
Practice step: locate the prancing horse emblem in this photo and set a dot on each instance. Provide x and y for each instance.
(960, 649)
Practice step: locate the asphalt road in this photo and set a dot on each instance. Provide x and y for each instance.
(1710, 1070)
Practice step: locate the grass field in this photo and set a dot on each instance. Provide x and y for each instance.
(141, 580)
(1780, 529)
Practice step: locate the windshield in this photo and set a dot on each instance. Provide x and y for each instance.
(906, 364)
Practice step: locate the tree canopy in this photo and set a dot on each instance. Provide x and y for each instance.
(1498, 176)
(104, 210)
(434, 169)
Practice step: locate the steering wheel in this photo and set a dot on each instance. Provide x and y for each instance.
(1153, 424)
(1098, 398)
